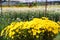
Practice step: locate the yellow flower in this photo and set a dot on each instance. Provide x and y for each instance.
(55, 31)
(11, 34)
(34, 32)
(37, 36)
(50, 29)
(17, 30)
(45, 18)
(29, 31)
(12, 37)
(37, 25)
(38, 31)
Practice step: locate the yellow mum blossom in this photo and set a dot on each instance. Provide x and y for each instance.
(29, 31)
(55, 31)
(36, 25)
(11, 34)
(38, 31)
(58, 22)
(34, 32)
(37, 36)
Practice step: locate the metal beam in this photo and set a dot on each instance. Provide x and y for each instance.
(1, 7)
(45, 8)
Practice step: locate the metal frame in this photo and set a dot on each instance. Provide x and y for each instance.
(45, 8)
(1, 7)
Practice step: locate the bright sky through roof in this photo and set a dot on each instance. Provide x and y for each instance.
(33, 0)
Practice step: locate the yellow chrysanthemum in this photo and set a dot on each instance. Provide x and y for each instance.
(37, 25)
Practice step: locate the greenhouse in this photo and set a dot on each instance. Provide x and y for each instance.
(29, 19)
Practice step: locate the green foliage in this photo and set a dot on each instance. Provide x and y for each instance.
(7, 17)
(57, 37)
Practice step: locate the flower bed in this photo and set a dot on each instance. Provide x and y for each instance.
(36, 29)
